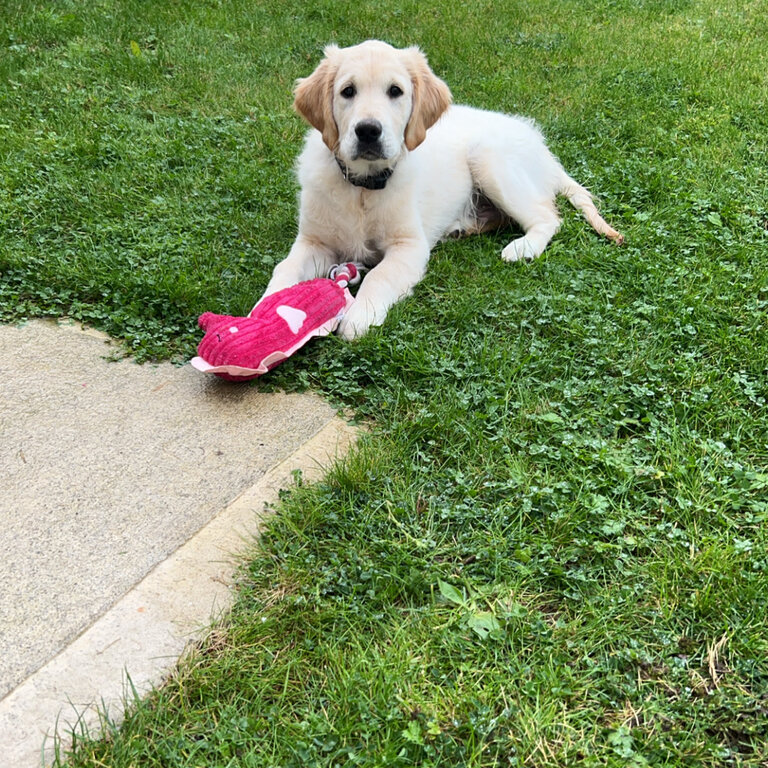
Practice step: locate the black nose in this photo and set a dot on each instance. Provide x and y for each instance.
(368, 131)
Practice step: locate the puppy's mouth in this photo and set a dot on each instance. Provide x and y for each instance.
(370, 178)
(370, 152)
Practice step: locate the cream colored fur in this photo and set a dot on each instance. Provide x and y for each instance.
(443, 157)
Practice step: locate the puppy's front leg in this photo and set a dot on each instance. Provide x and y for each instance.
(307, 259)
(403, 265)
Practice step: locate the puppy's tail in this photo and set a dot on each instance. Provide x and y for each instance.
(579, 197)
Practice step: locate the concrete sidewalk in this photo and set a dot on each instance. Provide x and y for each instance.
(126, 490)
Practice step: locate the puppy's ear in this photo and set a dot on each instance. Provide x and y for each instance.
(313, 98)
(431, 97)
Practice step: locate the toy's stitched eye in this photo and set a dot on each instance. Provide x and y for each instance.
(349, 92)
(395, 91)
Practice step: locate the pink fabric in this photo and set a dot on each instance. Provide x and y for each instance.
(241, 348)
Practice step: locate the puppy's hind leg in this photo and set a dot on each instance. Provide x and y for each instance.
(540, 224)
(518, 197)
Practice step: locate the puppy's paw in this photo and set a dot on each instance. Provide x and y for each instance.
(358, 320)
(519, 250)
(348, 332)
(352, 327)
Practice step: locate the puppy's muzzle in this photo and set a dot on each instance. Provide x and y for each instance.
(368, 134)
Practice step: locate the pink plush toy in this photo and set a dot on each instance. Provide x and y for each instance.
(241, 348)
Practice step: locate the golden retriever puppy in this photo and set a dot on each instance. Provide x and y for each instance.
(391, 168)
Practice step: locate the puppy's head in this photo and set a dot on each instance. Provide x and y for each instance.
(371, 101)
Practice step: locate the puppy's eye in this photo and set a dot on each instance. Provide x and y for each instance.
(394, 91)
(349, 92)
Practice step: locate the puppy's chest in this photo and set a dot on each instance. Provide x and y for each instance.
(357, 226)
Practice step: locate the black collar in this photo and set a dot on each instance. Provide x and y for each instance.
(374, 181)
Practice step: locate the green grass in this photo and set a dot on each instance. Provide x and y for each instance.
(551, 548)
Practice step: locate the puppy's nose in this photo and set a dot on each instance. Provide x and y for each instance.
(368, 131)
